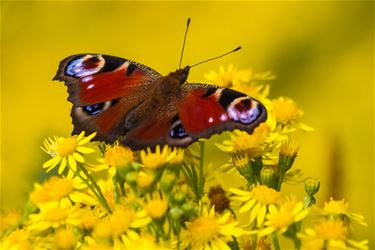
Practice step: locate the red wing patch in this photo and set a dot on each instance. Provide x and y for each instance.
(198, 113)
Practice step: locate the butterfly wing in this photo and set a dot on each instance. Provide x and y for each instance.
(103, 89)
(197, 111)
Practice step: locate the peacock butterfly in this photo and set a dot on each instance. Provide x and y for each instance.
(123, 100)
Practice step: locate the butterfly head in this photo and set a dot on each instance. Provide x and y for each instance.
(181, 74)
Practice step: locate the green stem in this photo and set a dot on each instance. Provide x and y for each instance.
(275, 241)
(95, 186)
(116, 190)
(281, 178)
(201, 167)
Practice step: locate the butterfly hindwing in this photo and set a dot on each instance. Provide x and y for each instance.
(102, 89)
(197, 111)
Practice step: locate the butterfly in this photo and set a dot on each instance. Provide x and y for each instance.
(123, 100)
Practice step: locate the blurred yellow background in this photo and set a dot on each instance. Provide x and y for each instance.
(321, 52)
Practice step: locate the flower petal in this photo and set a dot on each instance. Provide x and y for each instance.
(72, 163)
(85, 150)
(78, 157)
(62, 166)
(86, 140)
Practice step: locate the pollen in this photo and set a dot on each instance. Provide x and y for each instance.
(66, 146)
(56, 214)
(118, 156)
(265, 195)
(331, 230)
(203, 229)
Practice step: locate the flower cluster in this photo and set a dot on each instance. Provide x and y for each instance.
(110, 197)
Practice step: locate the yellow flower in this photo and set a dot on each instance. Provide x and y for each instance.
(280, 218)
(144, 180)
(241, 140)
(257, 201)
(229, 77)
(176, 156)
(67, 152)
(65, 239)
(330, 234)
(289, 148)
(340, 208)
(18, 240)
(51, 216)
(145, 242)
(9, 219)
(122, 224)
(286, 110)
(210, 231)
(156, 208)
(63, 190)
(118, 156)
(88, 219)
(154, 160)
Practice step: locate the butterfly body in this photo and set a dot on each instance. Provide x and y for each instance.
(127, 101)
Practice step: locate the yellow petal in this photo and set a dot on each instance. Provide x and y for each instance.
(239, 192)
(72, 163)
(62, 166)
(254, 212)
(247, 206)
(140, 222)
(78, 157)
(266, 231)
(261, 215)
(80, 136)
(86, 140)
(85, 150)
(52, 162)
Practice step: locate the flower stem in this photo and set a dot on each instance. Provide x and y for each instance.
(275, 241)
(116, 190)
(95, 186)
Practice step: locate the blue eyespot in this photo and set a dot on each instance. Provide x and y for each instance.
(93, 109)
(178, 131)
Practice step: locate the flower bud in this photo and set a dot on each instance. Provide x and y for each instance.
(131, 178)
(312, 186)
(176, 213)
(288, 152)
(156, 208)
(179, 198)
(267, 177)
(167, 181)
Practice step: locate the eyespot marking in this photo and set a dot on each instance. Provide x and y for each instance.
(178, 131)
(94, 109)
(244, 110)
(85, 66)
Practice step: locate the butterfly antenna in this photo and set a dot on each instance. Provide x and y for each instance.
(216, 57)
(183, 45)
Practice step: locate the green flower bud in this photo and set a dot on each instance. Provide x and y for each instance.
(176, 213)
(179, 198)
(131, 178)
(167, 181)
(267, 177)
(288, 152)
(312, 186)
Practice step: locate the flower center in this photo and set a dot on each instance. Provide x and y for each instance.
(60, 188)
(331, 230)
(66, 146)
(120, 221)
(56, 214)
(265, 195)
(203, 229)
(282, 219)
(119, 157)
